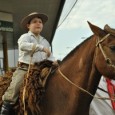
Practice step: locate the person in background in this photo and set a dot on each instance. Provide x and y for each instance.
(104, 107)
(28, 43)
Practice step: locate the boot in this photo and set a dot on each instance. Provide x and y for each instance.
(6, 107)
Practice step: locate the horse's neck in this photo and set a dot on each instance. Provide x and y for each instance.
(81, 69)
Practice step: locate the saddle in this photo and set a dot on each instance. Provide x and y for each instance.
(36, 84)
(43, 70)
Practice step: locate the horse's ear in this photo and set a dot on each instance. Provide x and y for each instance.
(96, 30)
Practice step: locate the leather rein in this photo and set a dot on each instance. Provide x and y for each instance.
(108, 61)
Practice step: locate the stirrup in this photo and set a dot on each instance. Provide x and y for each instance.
(6, 107)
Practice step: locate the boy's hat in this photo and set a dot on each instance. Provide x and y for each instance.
(29, 17)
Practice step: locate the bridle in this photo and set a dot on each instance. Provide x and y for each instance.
(108, 61)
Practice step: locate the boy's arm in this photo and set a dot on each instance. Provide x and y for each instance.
(25, 44)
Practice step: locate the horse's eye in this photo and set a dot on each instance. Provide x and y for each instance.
(112, 48)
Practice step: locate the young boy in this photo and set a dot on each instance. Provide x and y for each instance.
(31, 42)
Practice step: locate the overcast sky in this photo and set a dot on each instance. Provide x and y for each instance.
(75, 28)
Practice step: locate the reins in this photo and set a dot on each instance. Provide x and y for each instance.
(82, 89)
(102, 90)
(24, 90)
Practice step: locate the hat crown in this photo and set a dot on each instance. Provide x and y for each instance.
(32, 13)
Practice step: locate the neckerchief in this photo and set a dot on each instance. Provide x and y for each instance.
(111, 91)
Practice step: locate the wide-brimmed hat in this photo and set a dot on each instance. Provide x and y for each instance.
(29, 17)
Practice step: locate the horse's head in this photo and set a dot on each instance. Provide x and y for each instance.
(105, 51)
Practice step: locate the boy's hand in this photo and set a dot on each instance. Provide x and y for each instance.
(55, 63)
(47, 51)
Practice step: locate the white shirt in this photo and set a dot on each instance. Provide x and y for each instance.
(26, 42)
(102, 107)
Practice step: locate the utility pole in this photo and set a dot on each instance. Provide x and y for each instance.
(5, 53)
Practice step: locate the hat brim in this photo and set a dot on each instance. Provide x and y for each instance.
(26, 19)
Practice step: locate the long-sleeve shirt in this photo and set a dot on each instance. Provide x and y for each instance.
(26, 42)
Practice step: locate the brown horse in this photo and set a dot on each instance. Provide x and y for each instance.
(83, 67)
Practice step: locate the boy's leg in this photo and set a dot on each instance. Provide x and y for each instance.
(12, 93)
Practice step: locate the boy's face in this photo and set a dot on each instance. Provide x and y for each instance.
(35, 26)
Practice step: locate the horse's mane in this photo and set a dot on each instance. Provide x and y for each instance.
(76, 48)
